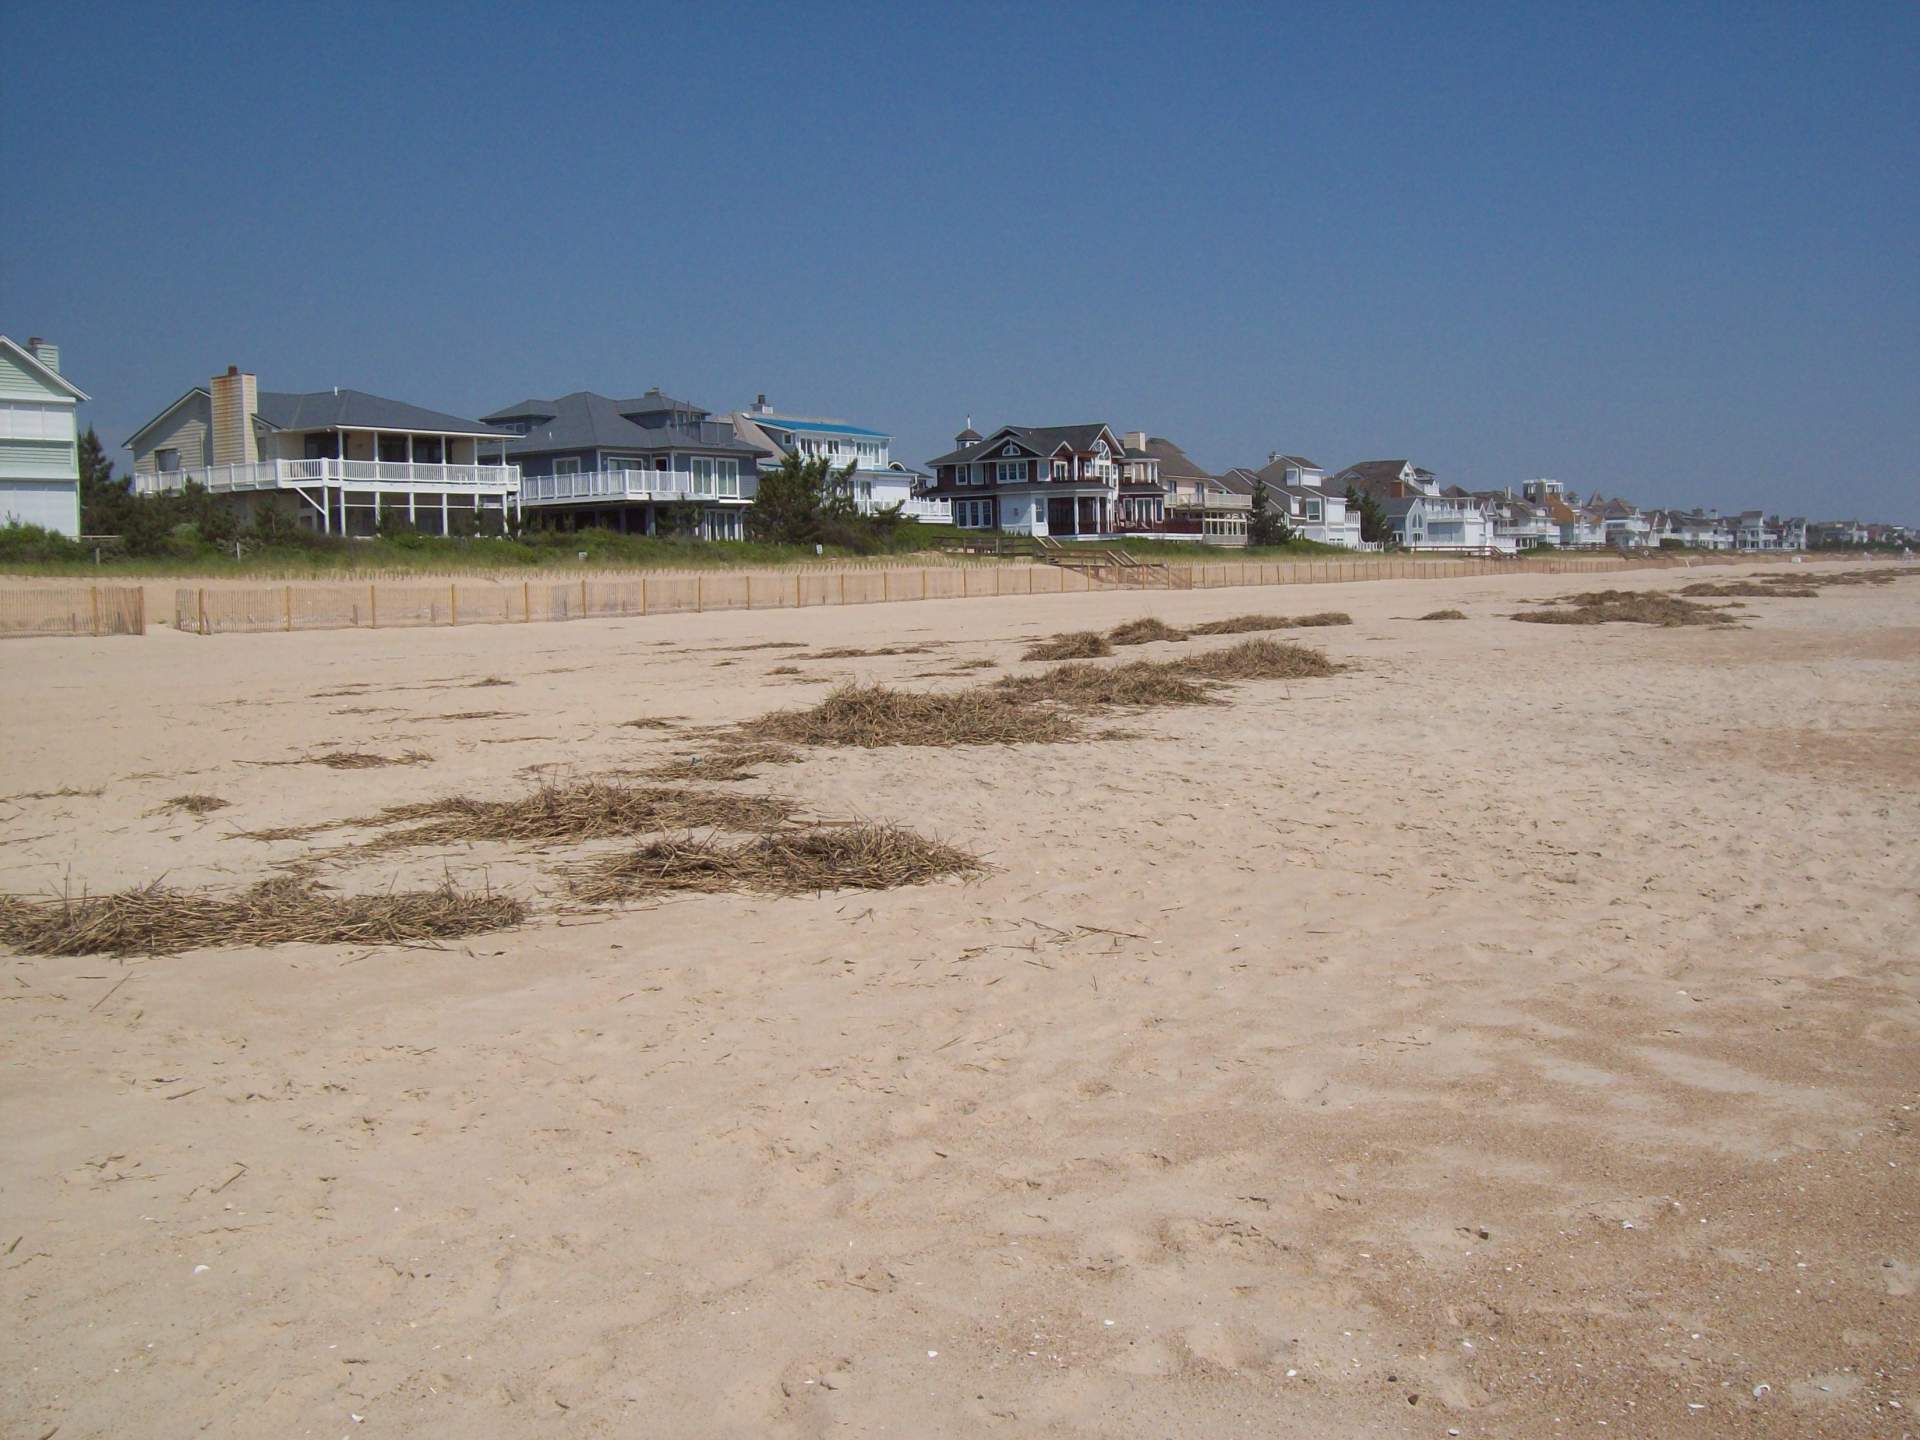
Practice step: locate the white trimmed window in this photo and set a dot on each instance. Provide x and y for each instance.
(1062, 470)
(1011, 472)
(567, 465)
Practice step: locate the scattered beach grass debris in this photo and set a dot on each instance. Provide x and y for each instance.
(731, 761)
(556, 814)
(65, 792)
(1258, 660)
(488, 681)
(1030, 709)
(1079, 645)
(1144, 632)
(196, 804)
(1444, 615)
(786, 670)
(1247, 624)
(475, 715)
(155, 920)
(871, 716)
(1749, 589)
(851, 857)
(1634, 607)
(354, 759)
(652, 722)
(849, 653)
(1139, 683)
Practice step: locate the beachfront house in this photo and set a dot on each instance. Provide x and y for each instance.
(1297, 492)
(879, 481)
(1518, 524)
(1062, 481)
(1835, 534)
(333, 461)
(650, 465)
(1453, 521)
(1623, 526)
(1167, 495)
(39, 454)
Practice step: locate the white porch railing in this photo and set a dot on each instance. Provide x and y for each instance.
(283, 474)
(929, 512)
(641, 485)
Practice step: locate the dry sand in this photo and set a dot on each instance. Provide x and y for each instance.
(1516, 1035)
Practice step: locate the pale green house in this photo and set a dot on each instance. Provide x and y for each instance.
(39, 453)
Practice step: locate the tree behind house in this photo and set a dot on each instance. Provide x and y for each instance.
(1265, 525)
(1373, 517)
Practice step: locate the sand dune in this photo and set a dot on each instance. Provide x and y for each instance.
(1516, 1031)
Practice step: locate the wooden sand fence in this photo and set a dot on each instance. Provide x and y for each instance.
(383, 603)
(73, 610)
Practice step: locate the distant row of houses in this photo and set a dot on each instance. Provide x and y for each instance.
(337, 461)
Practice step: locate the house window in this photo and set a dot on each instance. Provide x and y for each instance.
(567, 465)
(1061, 470)
(728, 477)
(1012, 472)
(167, 462)
(1313, 510)
(706, 473)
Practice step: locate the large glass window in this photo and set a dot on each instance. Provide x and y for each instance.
(1012, 472)
(705, 471)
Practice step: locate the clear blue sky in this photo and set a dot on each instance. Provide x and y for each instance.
(1671, 251)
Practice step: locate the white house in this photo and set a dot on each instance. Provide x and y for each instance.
(1297, 492)
(330, 461)
(879, 481)
(39, 454)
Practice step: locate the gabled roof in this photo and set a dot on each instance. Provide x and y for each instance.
(200, 390)
(586, 421)
(1037, 439)
(35, 367)
(1274, 472)
(1175, 463)
(357, 410)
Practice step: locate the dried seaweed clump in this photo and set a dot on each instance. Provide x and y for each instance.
(1247, 624)
(154, 920)
(724, 762)
(1142, 683)
(1749, 588)
(1144, 632)
(855, 857)
(1634, 607)
(1258, 660)
(555, 814)
(359, 759)
(1080, 645)
(191, 805)
(1445, 615)
(869, 716)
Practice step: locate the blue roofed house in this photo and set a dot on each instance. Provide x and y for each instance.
(39, 455)
(878, 480)
(589, 459)
(332, 461)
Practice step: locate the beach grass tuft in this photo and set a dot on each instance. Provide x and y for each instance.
(853, 857)
(155, 920)
(1080, 645)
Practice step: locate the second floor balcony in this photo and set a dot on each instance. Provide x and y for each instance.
(363, 474)
(639, 486)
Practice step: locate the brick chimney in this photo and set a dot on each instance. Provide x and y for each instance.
(236, 398)
(45, 352)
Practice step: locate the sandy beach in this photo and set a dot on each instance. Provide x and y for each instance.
(1515, 1034)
